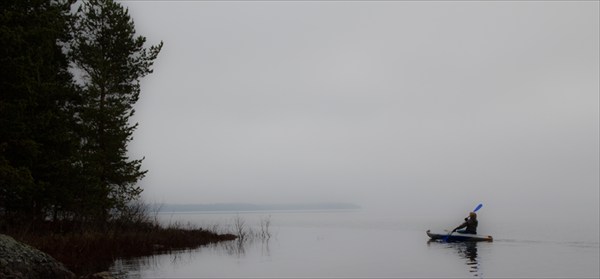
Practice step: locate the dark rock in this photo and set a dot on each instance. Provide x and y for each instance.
(21, 261)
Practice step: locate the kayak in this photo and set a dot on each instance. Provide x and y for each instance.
(456, 236)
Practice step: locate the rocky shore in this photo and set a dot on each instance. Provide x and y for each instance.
(21, 261)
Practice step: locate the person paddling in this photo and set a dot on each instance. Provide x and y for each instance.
(470, 224)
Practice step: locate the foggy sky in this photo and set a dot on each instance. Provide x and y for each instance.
(413, 106)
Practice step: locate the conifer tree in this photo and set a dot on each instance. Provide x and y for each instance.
(111, 59)
(37, 139)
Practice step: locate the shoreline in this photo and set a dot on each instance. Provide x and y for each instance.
(92, 250)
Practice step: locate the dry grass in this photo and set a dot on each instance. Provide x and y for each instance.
(89, 248)
(94, 250)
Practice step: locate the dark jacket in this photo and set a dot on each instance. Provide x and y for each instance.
(470, 225)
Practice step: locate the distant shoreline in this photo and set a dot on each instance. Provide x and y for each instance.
(249, 208)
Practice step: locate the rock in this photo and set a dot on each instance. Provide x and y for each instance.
(21, 261)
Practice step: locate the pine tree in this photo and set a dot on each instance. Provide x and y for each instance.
(112, 60)
(37, 139)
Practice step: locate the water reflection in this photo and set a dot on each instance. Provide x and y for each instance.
(131, 268)
(140, 266)
(234, 248)
(467, 250)
(238, 247)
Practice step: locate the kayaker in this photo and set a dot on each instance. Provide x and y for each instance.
(470, 224)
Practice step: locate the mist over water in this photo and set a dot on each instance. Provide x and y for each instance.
(363, 244)
(416, 111)
(422, 109)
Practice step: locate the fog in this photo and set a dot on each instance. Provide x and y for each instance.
(417, 107)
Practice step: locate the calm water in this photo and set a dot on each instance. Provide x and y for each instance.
(358, 244)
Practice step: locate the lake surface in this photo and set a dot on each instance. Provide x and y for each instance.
(361, 244)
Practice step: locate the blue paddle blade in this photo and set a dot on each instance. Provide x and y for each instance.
(478, 207)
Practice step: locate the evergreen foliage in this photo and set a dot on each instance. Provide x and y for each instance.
(63, 142)
(36, 104)
(112, 59)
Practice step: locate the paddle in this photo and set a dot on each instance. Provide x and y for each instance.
(479, 206)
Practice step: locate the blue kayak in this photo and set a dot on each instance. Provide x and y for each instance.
(456, 236)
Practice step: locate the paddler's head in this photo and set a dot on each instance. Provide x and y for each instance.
(473, 215)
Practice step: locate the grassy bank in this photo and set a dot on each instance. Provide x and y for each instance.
(93, 248)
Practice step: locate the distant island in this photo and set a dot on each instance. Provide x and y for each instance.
(241, 207)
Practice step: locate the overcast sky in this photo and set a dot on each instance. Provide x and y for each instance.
(390, 104)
